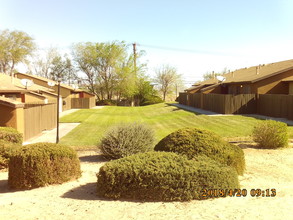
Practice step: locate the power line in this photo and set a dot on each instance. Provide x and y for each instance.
(183, 50)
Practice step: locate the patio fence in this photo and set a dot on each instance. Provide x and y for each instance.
(270, 105)
(39, 117)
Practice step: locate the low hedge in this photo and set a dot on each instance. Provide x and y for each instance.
(10, 135)
(41, 164)
(163, 176)
(6, 149)
(271, 134)
(192, 142)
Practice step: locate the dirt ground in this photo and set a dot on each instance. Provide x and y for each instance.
(265, 169)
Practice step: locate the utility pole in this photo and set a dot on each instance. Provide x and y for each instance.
(134, 56)
(58, 106)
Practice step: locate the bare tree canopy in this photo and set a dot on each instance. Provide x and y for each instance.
(15, 47)
(211, 75)
(167, 78)
(54, 66)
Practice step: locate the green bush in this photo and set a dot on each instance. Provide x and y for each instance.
(6, 149)
(41, 164)
(150, 100)
(106, 102)
(127, 139)
(192, 142)
(10, 135)
(163, 176)
(271, 134)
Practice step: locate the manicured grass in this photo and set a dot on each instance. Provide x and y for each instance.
(163, 118)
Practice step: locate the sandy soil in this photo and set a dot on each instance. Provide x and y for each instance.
(266, 169)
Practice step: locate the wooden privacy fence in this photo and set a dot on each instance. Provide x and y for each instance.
(39, 117)
(269, 105)
(83, 102)
(280, 106)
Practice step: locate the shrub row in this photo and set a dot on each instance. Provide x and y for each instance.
(40, 164)
(163, 176)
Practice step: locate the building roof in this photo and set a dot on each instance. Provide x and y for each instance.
(46, 80)
(49, 80)
(12, 84)
(252, 74)
(257, 73)
(10, 103)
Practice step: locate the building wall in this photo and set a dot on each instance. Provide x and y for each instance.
(12, 117)
(8, 116)
(86, 95)
(291, 88)
(274, 85)
(29, 98)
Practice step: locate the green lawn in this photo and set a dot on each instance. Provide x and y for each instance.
(163, 118)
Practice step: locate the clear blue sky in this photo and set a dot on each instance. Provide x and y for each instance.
(232, 34)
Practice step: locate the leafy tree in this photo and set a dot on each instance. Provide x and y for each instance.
(167, 79)
(109, 69)
(15, 47)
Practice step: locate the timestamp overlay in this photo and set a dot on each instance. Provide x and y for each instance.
(240, 193)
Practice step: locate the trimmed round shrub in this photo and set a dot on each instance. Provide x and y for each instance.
(163, 176)
(6, 149)
(127, 139)
(10, 135)
(271, 134)
(42, 164)
(193, 142)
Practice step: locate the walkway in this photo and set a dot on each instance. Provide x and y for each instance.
(196, 110)
(209, 113)
(64, 129)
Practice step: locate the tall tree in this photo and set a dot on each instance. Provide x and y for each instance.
(15, 47)
(167, 78)
(108, 67)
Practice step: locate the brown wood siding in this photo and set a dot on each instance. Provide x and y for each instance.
(83, 103)
(8, 116)
(274, 84)
(66, 103)
(291, 88)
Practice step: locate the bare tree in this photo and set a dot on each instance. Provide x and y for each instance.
(166, 78)
(42, 63)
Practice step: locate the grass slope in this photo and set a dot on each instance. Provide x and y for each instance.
(162, 117)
